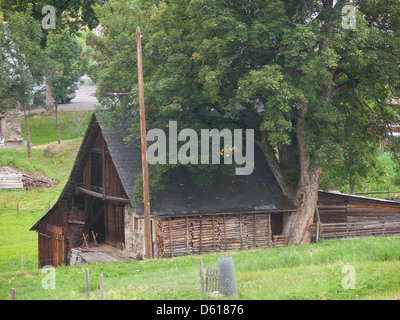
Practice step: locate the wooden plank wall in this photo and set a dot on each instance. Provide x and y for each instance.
(114, 224)
(332, 209)
(51, 241)
(349, 217)
(194, 235)
(338, 209)
(359, 211)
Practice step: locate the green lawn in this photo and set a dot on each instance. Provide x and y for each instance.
(43, 127)
(300, 272)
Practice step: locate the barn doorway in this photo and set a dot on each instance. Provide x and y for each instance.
(114, 224)
(98, 226)
(276, 223)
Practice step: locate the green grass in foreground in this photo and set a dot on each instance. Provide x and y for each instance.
(301, 272)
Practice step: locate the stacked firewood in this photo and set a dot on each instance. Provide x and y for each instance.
(194, 235)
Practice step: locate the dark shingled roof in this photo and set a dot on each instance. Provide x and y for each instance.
(257, 192)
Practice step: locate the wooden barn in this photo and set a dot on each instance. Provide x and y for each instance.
(97, 216)
(342, 215)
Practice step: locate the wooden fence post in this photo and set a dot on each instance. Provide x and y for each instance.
(22, 264)
(201, 275)
(101, 287)
(13, 294)
(87, 284)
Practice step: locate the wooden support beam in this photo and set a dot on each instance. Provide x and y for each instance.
(100, 195)
(104, 169)
(99, 151)
(91, 222)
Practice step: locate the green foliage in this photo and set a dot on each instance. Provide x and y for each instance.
(22, 63)
(66, 63)
(72, 15)
(278, 59)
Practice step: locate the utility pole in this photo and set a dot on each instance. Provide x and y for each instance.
(146, 196)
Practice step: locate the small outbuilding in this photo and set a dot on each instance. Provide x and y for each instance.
(341, 215)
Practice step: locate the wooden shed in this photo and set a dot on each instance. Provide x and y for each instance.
(98, 204)
(347, 216)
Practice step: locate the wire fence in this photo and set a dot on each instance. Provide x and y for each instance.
(19, 209)
(120, 281)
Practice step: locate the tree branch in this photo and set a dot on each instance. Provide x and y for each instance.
(269, 154)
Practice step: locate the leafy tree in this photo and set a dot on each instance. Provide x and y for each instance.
(299, 73)
(21, 63)
(66, 64)
(72, 15)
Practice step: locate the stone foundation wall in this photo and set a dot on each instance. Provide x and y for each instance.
(11, 128)
(134, 231)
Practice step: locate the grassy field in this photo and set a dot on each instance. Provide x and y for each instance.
(300, 272)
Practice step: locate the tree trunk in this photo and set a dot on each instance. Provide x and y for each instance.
(303, 194)
(297, 224)
(352, 187)
(28, 135)
(49, 106)
(57, 123)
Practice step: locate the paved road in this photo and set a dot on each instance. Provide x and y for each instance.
(84, 100)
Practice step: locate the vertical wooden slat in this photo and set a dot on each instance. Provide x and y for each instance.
(101, 287)
(187, 235)
(87, 284)
(170, 237)
(201, 275)
(201, 235)
(103, 158)
(226, 242)
(269, 230)
(240, 231)
(255, 230)
(213, 232)
(208, 284)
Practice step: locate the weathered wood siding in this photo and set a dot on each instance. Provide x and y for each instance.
(114, 224)
(51, 241)
(202, 234)
(338, 209)
(345, 216)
